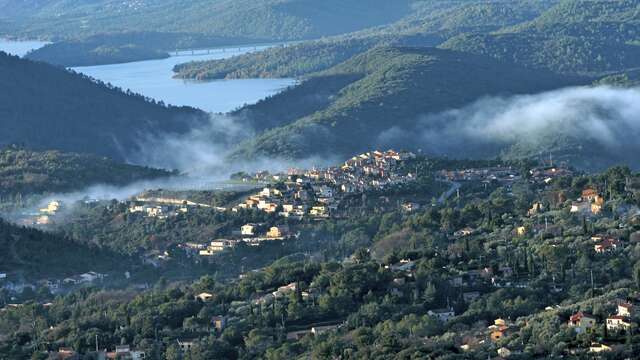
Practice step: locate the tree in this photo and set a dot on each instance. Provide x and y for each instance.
(362, 255)
(636, 274)
(173, 352)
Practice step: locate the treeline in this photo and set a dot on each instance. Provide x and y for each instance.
(264, 20)
(399, 266)
(385, 88)
(123, 47)
(44, 107)
(26, 172)
(34, 255)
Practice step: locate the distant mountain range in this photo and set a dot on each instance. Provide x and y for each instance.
(380, 71)
(360, 86)
(265, 20)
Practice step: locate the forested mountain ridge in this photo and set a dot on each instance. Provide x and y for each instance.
(43, 107)
(30, 172)
(126, 46)
(35, 254)
(569, 36)
(390, 87)
(258, 20)
(575, 36)
(429, 24)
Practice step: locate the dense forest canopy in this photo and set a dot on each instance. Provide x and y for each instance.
(258, 20)
(44, 107)
(30, 172)
(390, 87)
(35, 254)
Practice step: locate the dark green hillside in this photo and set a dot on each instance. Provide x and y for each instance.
(43, 107)
(285, 61)
(430, 24)
(311, 95)
(397, 86)
(578, 37)
(455, 17)
(124, 47)
(36, 254)
(31, 172)
(626, 79)
(257, 20)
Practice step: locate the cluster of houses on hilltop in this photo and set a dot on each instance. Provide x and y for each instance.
(317, 193)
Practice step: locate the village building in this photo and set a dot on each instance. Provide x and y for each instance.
(52, 208)
(217, 246)
(219, 323)
(319, 330)
(626, 309)
(124, 352)
(536, 208)
(582, 322)
(249, 229)
(444, 315)
(43, 220)
(277, 232)
(65, 353)
(284, 290)
(464, 232)
(204, 296)
(186, 345)
(606, 245)
(598, 348)
(618, 323)
(499, 329)
(410, 207)
(503, 352)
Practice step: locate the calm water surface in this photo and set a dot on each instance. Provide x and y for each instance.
(19, 48)
(153, 78)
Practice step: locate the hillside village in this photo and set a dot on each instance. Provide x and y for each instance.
(583, 218)
(319, 193)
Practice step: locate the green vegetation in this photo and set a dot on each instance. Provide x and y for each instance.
(575, 37)
(430, 23)
(26, 172)
(36, 255)
(87, 53)
(569, 36)
(264, 20)
(391, 88)
(281, 61)
(43, 107)
(124, 47)
(377, 277)
(626, 79)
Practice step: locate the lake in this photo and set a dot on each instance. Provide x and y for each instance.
(153, 78)
(19, 48)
